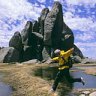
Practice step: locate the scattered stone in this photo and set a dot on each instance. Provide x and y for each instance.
(82, 95)
(33, 61)
(48, 61)
(86, 92)
(88, 60)
(92, 94)
(77, 59)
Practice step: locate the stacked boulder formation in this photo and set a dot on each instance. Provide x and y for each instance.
(39, 39)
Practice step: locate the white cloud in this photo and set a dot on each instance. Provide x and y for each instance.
(78, 23)
(6, 35)
(80, 2)
(88, 49)
(68, 15)
(17, 9)
(90, 52)
(91, 44)
(85, 36)
(57, 0)
(41, 1)
(12, 10)
(86, 25)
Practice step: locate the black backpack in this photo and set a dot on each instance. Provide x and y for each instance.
(69, 62)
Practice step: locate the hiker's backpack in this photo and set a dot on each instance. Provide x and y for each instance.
(70, 62)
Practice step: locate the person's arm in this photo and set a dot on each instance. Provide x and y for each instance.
(52, 60)
(55, 59)
(69, 52)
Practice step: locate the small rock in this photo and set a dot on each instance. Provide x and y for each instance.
(33, 61)
(82, 95)
(93, 94)
(86, 92)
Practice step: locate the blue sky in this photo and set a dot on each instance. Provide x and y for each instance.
(79, 15)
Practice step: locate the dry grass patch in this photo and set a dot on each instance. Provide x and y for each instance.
(91, 71)
(24, 83)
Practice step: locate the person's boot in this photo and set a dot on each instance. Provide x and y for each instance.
(52, 92)
(82, 81)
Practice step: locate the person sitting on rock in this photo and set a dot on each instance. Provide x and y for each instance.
(62, 58)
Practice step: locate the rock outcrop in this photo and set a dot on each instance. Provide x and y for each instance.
(35, 26)
(56, 33)
(77, 52)
(39, 39)
(16, 42)
(9, 54)
(67, 38)
(53, 26)
(26, 34)
(41, 20)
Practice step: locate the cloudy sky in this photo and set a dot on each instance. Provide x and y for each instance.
(79, 15)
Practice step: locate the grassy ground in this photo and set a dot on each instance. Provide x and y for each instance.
(91, 71)
(88, 68)
(22, 80)
(24, 83)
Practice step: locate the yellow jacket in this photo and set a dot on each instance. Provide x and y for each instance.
(62, 61)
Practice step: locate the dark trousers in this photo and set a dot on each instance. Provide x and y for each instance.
(64, 73)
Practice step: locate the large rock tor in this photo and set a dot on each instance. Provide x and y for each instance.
(53, 26)
(26, 34)
(9, 54)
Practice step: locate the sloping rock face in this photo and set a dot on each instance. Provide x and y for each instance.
(67, 39)
(57, 35)
(29, 53)
(26, 34)
(35, 50)
(35, 27)
(32, 40)
(77, 52)
(53, 26)
(9, 54)
(16, 41)
(41, 20)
